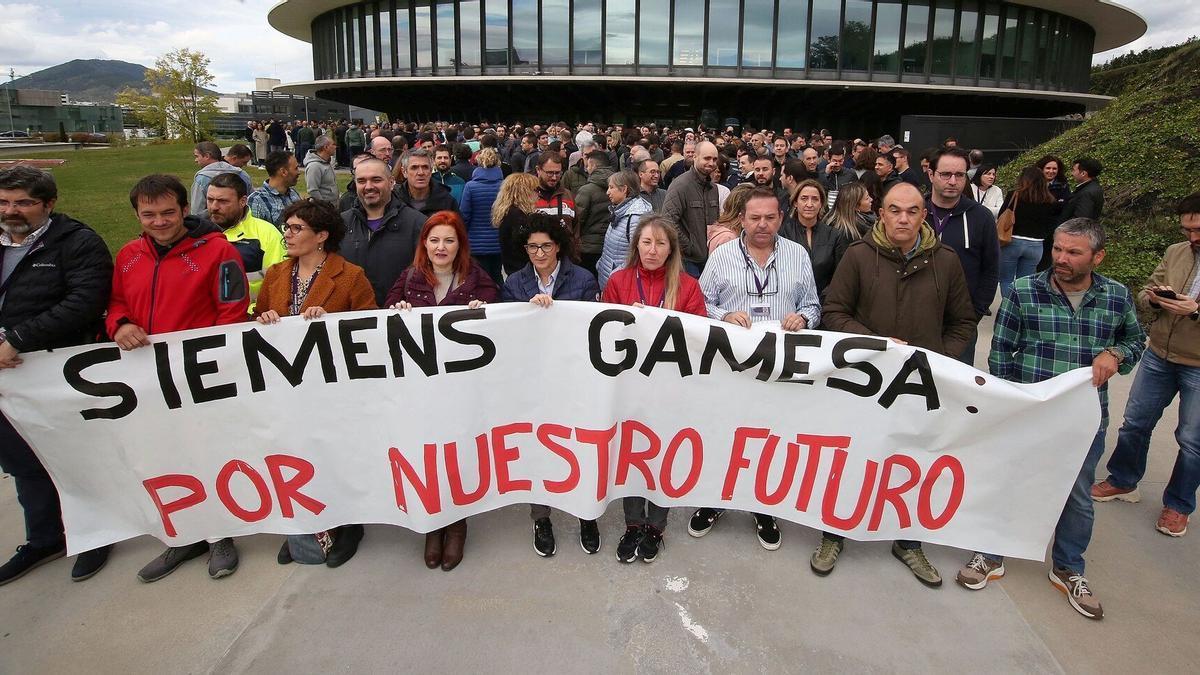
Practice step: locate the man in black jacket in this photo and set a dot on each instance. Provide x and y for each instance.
(54, 286)
(418, 189)
(381, 230)
(1087, 201)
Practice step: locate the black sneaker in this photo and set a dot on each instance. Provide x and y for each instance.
(703, 520)
(651, 544)
(345, 545)
(543, 538)
(768, 531)
(88, 563)
(589, 536)
(627, 547)
(27, 559)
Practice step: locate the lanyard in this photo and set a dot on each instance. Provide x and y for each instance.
(642, 292)
(760, 284)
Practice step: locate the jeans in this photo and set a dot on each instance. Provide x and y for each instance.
(642, 511)
(1154, 388)
(1073, 532)
(1018, 259)
(35, 491)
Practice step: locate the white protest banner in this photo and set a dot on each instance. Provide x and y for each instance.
(422, 418)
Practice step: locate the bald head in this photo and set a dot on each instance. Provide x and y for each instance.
(706, 158)
(381, 148)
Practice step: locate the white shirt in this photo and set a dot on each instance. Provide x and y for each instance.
(548, 288)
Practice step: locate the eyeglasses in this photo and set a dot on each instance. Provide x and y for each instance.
(1184, 230)
(20, 203)
(546, 248)
(947, 175)
(770, 288)
(294, 229)
(552, 173)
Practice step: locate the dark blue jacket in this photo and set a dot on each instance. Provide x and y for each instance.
(971, 232)
(573, 283)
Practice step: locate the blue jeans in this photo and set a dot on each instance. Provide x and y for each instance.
(1073, 532)
(1154, 388)
(692, 268)
(1018, 259)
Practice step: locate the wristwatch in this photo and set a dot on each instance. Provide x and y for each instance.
(1116, 355)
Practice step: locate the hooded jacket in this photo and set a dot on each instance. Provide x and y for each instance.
(922, 300)
(591, 209)
(320, 178)
(198, 283)
(199, 202)
(618, 237)
(386, 252)
(478, 197)
(971, 231)
(56, 296)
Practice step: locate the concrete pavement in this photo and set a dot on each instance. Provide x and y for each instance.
(717, 604)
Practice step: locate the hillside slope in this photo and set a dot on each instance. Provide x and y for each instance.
(96, 80)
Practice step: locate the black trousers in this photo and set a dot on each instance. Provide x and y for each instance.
(35, 491)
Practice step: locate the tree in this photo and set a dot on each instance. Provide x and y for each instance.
(179, 104)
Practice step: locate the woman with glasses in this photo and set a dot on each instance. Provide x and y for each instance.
(627, 206)
(313, 281)
(551, 275)
(825, 243)
(443, 274)
(653, 276)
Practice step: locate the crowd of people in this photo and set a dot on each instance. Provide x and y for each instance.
(798, 229)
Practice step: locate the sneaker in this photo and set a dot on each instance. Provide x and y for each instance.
(88, 563)
(979, 572)
(27, 559)
(768, 532)
(1105, 491)
(543, 538)
(703, 520)
(627, 547)
(1172, 523)
(1075, 587)
(222, 559)
(921, 568)
(589, 536)
(170, 560)
(650, 545)
(825, 557)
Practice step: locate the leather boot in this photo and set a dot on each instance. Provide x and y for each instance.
(433, 548)
(456, 540)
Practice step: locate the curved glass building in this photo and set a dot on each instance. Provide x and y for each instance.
(766, 62)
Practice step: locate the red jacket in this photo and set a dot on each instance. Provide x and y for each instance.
(200, 282)
(622, 289)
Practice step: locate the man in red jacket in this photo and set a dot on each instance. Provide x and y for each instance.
(180, 273)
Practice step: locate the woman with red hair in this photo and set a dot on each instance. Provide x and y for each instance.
(443, 274)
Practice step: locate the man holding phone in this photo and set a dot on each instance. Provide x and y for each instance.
(1171, 366)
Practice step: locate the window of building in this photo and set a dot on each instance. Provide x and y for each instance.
(887, 36)
(1029, 38)
(943, 37)
(654, 31)
(386, 26)
(791, 35)
(446, 60)
(495, 19)
(723, 31)
(619, 31)
(989, 46)
(1043, 49)
(757, 34)
(856, 35)
(402, 33)
(826, 29)
(1008, 47)
(965, 49)
(525, 34)
(468, 34)
(423, 34)
(352, 60)
(369, 34)
(556, 32)
(916, 36)
(689, 33)
(587, 48)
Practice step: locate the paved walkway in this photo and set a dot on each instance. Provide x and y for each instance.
(718, 604)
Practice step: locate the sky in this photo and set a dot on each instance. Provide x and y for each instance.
(235, 35)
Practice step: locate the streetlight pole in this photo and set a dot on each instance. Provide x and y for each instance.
(12, 75)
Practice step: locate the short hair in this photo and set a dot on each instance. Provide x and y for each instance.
(322, 143)
(320, 216)
(600, 157)
(975, 157)
(1187, 206)
(238, 150)
(628, 180)
(158, 185)
(761, 192)
(837, 148)
(936, 157)
(488, 140)
(899, 151)
(547, 157)
(551, 226)
(887, 140)
(442, 147)
(39, 184)
(232, 181)
(415, 152)
(887, 157)
(1091, 165)
(763, 158)
(278, 160)
(209, 149)
(530, 137)
(1085, 227)
(642, 164)
(795, 169)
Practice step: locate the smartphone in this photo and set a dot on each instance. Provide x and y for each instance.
(1165, 293)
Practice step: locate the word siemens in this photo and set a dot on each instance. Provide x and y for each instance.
(668, 348)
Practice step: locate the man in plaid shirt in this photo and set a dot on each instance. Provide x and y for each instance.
(1065, 318)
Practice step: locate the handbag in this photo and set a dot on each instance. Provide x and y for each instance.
(1004, 224)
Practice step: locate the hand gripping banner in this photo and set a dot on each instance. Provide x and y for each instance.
(421, 418)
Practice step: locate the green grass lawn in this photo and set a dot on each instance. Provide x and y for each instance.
(93, 186)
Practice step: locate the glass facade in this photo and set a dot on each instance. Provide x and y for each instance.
(970, 42)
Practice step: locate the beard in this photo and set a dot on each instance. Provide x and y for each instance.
(16, 227)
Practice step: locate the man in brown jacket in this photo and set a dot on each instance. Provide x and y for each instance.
(901, 282)
(1171, 366)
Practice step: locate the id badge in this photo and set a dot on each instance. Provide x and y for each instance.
(760, 312)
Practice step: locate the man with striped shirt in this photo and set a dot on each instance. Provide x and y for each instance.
(758, 277)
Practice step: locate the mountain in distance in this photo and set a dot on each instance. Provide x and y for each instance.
(94, 80)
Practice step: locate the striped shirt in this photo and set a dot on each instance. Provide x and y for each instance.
(733, 281)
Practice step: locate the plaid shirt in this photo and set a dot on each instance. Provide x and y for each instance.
(1038, 335)
(267, 204)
